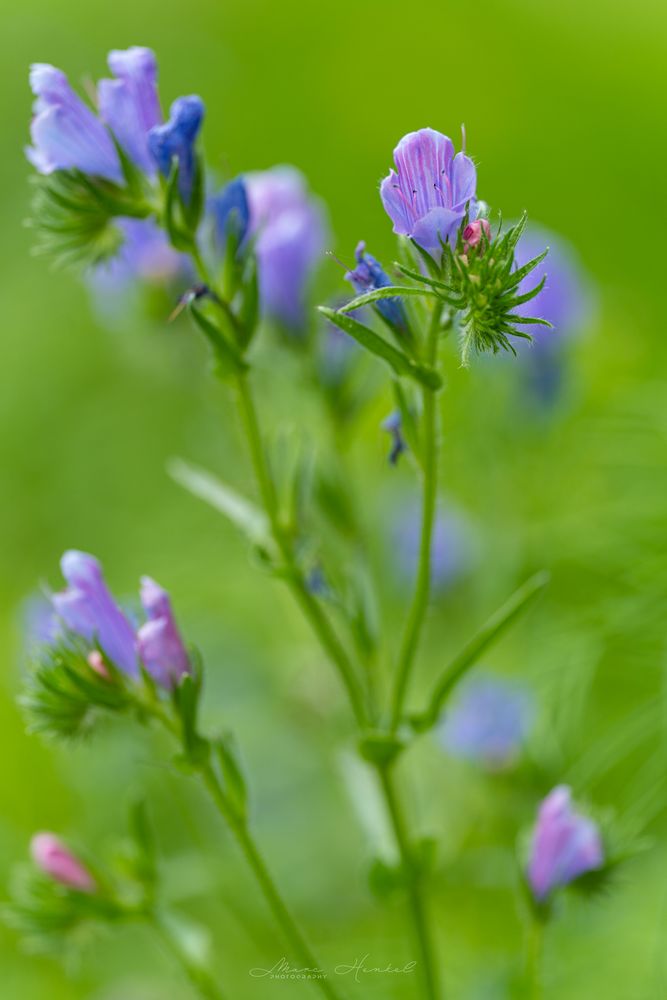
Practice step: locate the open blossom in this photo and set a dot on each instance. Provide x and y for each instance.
(427, 194)
(158, 641)
(69, 135)
(87, 608)
(488, 722)
(66, 134)
(56, 860)
(565, 844)
(369, 275)
(129, 104)
(290, 232)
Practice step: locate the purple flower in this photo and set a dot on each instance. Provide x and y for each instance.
(88, 609)
(452, 550)
(145, 255)
(290, 231)
(563, 300)
(231, 212)
(426, 196)
(56, 860)
(565, 845)
(129, 104)
(66, 134)
(159, 642)
(488, 722)
(175, 140)
(369, 275)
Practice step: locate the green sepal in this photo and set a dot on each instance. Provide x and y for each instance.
(186, 704)
(399, 363)
(388, 292)
(380, 748)
(248, 310)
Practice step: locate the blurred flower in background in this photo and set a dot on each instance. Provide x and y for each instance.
(565, 845)
(54, 859)
(289, 227)
(453, 550)
(488, 722)
(565, 301)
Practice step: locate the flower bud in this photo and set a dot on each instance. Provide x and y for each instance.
(565, 845)
(472, 234)
(55, 860)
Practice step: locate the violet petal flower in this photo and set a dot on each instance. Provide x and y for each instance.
(88, 609)
(66, 134)
(56, 860)
(129, 104)
(175, 140)
(145, 255)
(367, 276)
(231, 212)
(565, 844)
(159, 642)
(291, 232)
(488, 722)
(426, 196)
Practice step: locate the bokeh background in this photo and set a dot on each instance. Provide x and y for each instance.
(564, 107)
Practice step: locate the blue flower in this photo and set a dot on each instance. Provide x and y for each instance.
(393, 424)
(129, 104)
(290, 232)
(367, 276)
(488, 722)
(565, 844)
(66, 134)
(175, 140)
(231, 212)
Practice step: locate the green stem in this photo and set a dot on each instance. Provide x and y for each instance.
(271, 893)
(198, 976)
(534, 959)
(418, 608)
(294, 578)
(414, 885)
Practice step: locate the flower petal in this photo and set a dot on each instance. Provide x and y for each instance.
(129, 104)
(438, 224)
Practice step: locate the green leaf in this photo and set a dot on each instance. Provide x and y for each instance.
(248, 518)
(186, 700)
(236, 788)
(228, 359)
(398, 362)
(470, 653)
(389, 292)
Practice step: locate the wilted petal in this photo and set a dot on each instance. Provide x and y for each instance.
(66, 134)
(56, 860)
(88, 609)
(368, 276)
(159, 642)
(129, 104)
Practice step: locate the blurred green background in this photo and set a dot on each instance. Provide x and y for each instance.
(564, 108)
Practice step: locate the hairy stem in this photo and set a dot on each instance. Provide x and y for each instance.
(244, 839)
(416, 900)
(420, 599)
(294, 578)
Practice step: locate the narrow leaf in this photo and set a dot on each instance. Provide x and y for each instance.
(388, 292)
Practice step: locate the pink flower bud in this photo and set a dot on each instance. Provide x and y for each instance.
(96, 663)
(54, 859)
(472, 234)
